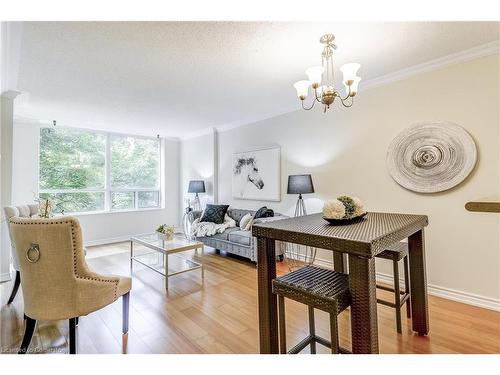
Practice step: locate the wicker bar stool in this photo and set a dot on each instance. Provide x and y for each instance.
(396, 253)
(318, 288)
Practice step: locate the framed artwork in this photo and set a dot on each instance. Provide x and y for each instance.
(256, 175)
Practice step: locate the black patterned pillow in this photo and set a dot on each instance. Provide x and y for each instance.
(260, 212)
(215, 213)
(263, 212)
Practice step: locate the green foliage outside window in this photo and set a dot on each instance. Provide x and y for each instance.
(134, 162)
(72, 159)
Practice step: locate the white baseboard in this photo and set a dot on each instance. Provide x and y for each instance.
(107, 241)
(5, 277)
(438, 291)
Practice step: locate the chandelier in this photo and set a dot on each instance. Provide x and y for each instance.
(321, 79)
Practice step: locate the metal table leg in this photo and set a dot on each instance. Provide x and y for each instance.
(165, 262)
(202, 263)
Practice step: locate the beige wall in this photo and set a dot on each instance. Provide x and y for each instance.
(345, 151)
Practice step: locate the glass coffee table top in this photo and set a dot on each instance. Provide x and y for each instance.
(157, 257)
(178, 243)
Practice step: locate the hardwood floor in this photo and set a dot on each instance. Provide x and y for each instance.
(220, 316)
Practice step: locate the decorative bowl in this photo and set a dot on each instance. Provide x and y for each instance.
(165, 237)
(351, 220)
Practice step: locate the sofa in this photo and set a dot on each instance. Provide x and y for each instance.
(237, 241)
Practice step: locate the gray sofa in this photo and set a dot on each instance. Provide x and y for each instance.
(235, 240)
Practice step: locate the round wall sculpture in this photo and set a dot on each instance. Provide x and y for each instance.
(432, 156)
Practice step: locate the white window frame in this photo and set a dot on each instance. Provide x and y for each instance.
(108, 190)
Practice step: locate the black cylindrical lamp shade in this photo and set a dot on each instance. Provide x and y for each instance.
(300, 184)
(196, 186)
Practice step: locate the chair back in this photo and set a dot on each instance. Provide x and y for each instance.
(51, 258)
(26, 210)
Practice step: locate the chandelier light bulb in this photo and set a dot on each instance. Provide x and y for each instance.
(315, 73)
(302, 88)
(349, 72)
(353, 87)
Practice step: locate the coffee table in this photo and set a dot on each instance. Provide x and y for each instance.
(173, 247)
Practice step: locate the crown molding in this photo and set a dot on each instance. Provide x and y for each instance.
(483, 50)
(9, 94)
(455, 58)
(200, 133)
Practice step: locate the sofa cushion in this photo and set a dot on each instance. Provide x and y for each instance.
(241, 237)
(224, 235)
(214, 213)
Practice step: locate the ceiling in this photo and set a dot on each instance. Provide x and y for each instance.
(176, 78)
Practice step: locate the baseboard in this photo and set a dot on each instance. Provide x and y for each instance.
(6, 276)
(107, 241)
(438, 291)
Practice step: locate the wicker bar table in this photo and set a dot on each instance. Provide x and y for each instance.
(361, 241)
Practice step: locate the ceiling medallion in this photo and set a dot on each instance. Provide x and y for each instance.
(321, 79)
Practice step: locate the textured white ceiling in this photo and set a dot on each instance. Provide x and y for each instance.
(175, 78)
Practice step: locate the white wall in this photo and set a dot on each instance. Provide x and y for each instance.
(345, 151)
(198, 157)
(101, 227)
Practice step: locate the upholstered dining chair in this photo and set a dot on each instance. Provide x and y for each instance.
(27, 210)
(56, 281)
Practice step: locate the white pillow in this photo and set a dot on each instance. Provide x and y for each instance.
(245, 220)
(250, 223)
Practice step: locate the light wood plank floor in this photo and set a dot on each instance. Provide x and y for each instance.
(220, 316)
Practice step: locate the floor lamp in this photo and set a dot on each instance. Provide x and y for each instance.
(299, 184)
(196, 187)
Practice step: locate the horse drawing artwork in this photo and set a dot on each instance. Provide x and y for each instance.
(247, 172)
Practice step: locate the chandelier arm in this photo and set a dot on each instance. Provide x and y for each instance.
(345, 100)
(311, 107)
(347, 97)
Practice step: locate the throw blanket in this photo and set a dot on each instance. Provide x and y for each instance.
(206, 229)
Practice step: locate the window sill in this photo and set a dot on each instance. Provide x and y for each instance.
(77, 214)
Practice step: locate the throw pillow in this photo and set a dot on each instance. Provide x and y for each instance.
(249, 225)
(260, 212)
(263, 212)
(215, 213)
(245, 220)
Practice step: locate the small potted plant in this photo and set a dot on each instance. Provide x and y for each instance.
(165, 232)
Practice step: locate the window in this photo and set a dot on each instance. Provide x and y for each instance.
(85, 171)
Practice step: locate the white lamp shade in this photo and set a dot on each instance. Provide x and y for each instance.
(349, 71)
(302, 88)
(354, 86)
(314, 74)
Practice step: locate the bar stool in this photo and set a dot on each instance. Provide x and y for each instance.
(318, 288)
(396, 253)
